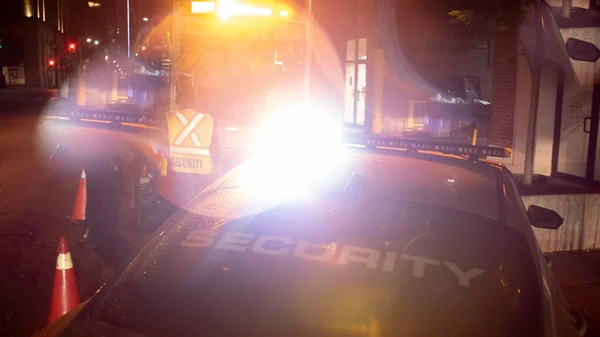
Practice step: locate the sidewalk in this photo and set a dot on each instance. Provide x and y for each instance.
(578, 274)
(26, 97)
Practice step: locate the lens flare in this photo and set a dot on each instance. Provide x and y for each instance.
(293, 150)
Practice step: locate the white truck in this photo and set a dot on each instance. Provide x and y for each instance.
(240, 62)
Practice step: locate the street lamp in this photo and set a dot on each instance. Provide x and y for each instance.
(89, 40)
(145, 19)
(96, 42)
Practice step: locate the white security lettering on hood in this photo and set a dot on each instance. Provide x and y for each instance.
(303, 249)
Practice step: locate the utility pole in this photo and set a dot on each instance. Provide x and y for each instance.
(57, 63)
(536, 72)
(128, 28)
(308, 51)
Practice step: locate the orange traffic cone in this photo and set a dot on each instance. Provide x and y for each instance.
(80, 201)
(64, 292)
(144, 170)
(145, 175)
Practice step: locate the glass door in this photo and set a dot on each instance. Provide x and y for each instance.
(575, 133)
(356, 82)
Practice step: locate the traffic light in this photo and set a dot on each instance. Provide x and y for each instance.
(72, 47)
(51, 63)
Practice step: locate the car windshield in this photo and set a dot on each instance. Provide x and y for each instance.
(337, 265)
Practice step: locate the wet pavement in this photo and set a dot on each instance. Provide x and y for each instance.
(36, 195)
(578, 274)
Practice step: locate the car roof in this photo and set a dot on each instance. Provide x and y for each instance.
(433, 178)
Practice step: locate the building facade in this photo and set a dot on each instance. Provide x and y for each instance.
(32, 42)
(566, 134)
(394, 56)
(390, 60)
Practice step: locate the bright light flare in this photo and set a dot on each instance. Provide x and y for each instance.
(247, 10)
(203, 7)
(294, 150)
(225, 9)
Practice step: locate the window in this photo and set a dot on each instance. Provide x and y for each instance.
(27, 8)
(356, 81)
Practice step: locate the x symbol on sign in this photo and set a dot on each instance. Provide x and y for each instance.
(189, 129)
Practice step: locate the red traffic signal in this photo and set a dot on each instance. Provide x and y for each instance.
(72, 47)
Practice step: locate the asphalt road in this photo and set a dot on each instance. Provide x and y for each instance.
(35, 197)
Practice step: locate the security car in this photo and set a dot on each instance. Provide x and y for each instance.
(391, 238)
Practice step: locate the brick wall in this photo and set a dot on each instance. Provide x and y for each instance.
(504, 85)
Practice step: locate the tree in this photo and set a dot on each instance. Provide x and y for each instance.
(495, 15)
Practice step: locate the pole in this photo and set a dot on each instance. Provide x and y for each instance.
(57, 63)
(178, 5)
(308, 51)
(128, 29)
(594, 128)
(566, 8)
(536, 72)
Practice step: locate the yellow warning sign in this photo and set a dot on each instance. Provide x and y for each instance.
(190, 134)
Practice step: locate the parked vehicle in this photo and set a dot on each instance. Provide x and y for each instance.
(394, 238)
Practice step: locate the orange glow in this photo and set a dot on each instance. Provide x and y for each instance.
(225, 9)
(203, 7)
(143, 47)
(51, 63)
(28, 8)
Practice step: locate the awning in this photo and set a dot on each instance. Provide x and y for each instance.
(583, 73)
